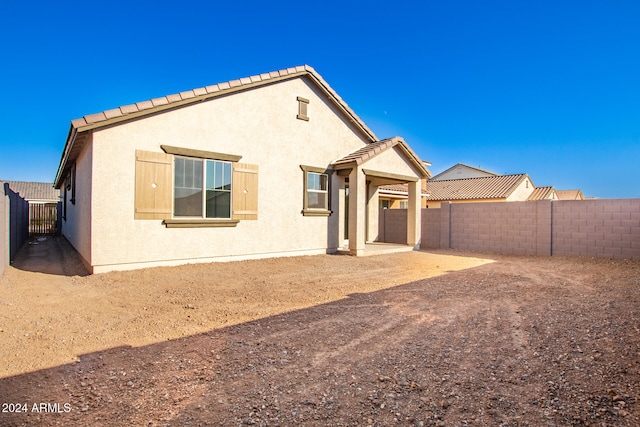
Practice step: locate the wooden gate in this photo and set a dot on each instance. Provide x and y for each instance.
(43, 218)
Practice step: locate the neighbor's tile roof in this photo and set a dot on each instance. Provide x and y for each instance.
(43, 191)
(488, 187)
(569, 194)
(398, 188)
(93, 121)
(542, 193)
(463, 165)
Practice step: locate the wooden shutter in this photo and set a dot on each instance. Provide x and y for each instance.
(245, 191)
(154, 185)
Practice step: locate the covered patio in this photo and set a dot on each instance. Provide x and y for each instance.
(389, 161)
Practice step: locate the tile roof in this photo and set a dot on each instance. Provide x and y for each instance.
(139, 109)
(489, 187)
(194, 95)
(367, 152)
(400, 189)
(466, 166)
(371, 150)
(570, 195)
(34, 191)
(543, 193)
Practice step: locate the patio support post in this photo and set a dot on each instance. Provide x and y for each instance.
(413, 215)
(335, 224)
(357, 200)
(342, 207)
(372, 213)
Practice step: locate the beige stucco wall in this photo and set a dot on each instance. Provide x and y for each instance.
(259, 125)
(77, 226)
(522, 191)
(392, 161)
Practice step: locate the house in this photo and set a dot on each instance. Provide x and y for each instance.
(35, 192)
(544, 193)
(461, 171)
(498, 188)
(250, 168)
(570, 195)
(43, 201)
(460, 187)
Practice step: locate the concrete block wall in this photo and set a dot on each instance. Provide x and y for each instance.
(392, 226)
(14, 224)
(4, 230)
(495, 227)
(18, 223)
(430, 229)
(606, 228)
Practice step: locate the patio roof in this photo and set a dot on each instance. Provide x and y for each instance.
(363, 154)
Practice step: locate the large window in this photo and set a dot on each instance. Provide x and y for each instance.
(202, 188)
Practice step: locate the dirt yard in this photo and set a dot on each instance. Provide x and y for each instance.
(416, 339)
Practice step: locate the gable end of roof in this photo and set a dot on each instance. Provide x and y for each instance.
(140, 109)
(371, 150)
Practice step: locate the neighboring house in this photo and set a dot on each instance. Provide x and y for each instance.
(544, 193)
(500, 188)
(461, 171)
(570, 195)
(43, 201)
(250, 168)
(35, 192)
(458, 189)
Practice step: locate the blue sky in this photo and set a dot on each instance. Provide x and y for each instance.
(548, 88)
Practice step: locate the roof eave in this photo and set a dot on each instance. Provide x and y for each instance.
(307, 71)
(71, 136)
(100, 120)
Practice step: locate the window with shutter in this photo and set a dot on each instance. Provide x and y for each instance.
(187, 189)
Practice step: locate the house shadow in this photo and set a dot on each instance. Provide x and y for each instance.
(49, 255)
(287, 369)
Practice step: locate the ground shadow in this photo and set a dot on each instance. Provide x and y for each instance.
(417, 354)
(49, 255)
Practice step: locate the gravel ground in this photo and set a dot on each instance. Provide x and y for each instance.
(417, 339)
